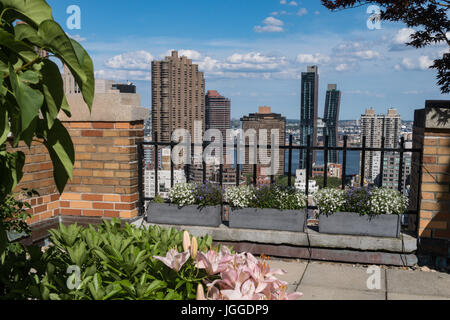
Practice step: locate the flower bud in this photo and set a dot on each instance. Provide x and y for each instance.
(200, 292)
(194, 248)
(186, 241)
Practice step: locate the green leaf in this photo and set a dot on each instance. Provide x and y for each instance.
(87, 87)
(11, 171)
(73, 55)
(29, 77)
(61, 150)
(53, 89)
(26, 32)
(29, 100)
(31, 11)
(22, 49)
(4, 124)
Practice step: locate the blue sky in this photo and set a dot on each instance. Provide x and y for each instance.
(254, 51)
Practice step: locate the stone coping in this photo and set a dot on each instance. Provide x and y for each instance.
(405, 244)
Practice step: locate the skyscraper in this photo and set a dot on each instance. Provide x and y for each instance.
(374, 127)
(217, 112)
(264, 119)
(331, 118)
(178, 96)
(308, 111)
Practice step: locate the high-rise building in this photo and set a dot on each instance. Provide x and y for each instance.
(264, 119)
(178, 96)
(331, 119)
(374, 127)
(218, 110)
(309, 105)
(125, 87)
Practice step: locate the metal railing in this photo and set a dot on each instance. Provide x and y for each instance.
(345, 149)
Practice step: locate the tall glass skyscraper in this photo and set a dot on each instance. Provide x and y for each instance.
(308, 112)
(331, 118)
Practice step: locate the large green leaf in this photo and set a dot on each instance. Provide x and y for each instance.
(26, 32)
(31, 11)
(62, 153)
(11, 171)
(57, 41)
(53, 89)
(87, 87)
(28, 99)
(22, 49)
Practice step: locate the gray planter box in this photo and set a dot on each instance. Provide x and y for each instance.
(163, 213)
(268, 219)
(354, 224)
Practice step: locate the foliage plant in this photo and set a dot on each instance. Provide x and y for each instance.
(31, 90)
(118, 262)
(330, 201)
(265, 197)
(365, 201)
(184, 194)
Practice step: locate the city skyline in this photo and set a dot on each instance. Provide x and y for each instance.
(259, 58)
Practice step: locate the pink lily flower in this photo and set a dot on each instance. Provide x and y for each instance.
(174, 260)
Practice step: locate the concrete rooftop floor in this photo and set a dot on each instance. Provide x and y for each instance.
(335, 281)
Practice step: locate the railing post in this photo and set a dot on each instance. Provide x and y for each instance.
(140, 178)
(290, 162)
(238, 158)
(325, 163)
(363, 161)
(400, 169)
(344, 163)
(203, 163)
(308, 164)
(255, 166)
(171, 166)
(383, 143)
(156, 163)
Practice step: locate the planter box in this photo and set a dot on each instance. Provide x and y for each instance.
(268, 219)
(163, 213)
(354, 224)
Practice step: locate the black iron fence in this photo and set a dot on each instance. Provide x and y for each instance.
(309, 148)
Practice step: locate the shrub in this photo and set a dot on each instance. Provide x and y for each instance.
(129, 263)
(357, 200)
(240, 197)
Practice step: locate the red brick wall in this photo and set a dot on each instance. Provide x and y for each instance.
(434, 219)
(105, 177)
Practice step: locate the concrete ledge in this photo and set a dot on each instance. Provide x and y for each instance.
(405, 244)
(107, 107)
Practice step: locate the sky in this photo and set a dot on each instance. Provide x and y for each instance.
(254, 51)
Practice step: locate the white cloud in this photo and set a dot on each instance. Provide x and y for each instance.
(293, 3)
(366, 93)
(302, 12)
(403, 36)
(421, 63)
(271, 24)
(313, 58)
(316, 12)
(342, 67)
(355, 51)
(283, 1)
(138, 60)
(76, 37)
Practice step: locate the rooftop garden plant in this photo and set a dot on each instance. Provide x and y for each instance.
(185, 194)
(265, 197)
(115, 262)
(365, 201)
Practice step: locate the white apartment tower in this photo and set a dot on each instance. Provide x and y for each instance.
(374, 127)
